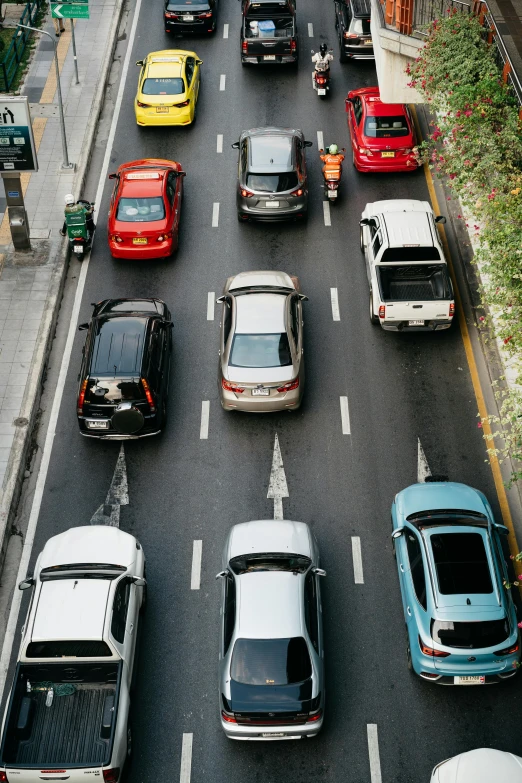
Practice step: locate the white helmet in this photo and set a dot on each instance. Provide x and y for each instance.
(70, 200)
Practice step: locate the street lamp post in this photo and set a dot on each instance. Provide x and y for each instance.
(65, 164)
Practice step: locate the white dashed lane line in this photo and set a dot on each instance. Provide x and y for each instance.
(225, 31)
(358, 575)
(186, 759)
(222, 81)
(345, 416)
(326, 212)
(320, 140)
(205, 415)
(334, 297)
(373, 752)
(195, 575)
(310, 30)
(215, 214)
(219, 146)
(210, 305)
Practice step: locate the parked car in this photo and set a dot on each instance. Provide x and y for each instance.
(272, 180)
(269, 32)
(145, 209)
(410, 285)
(271, 679)
(124, 375)
(479, 766)
(461, 620)
(185, 17)
(67, 716)
(352, 22)
(261, 363)
(168, 88)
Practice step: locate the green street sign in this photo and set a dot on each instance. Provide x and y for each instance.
(78, 10)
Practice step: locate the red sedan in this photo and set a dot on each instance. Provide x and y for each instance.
(382, 134)
(145, 209)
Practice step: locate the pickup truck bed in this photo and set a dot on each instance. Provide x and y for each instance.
(414, 283)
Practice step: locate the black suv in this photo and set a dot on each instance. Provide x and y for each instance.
(269, 32)
(190, 16)
(352, 22)
(124, 377)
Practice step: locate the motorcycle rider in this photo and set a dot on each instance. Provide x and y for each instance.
(322, 60)
(73, 207)
(333, 158)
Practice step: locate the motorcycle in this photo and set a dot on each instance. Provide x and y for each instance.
(322, 80)
(78, 233)
(332, 179)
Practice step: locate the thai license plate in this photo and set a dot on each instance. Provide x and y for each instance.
(162, 109)
(321, 92)
(77, 248)
(269, 57)
(415, 323)
(260, 392)
(274, 204)
(139, 240)
(368, 43)
(387, 154)
(98, 425)
(480, 680)
(270, 734)
(332, 194)
(188, 18)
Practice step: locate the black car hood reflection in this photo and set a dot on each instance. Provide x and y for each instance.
(270, 698)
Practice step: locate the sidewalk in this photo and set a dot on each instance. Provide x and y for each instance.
(31, 282)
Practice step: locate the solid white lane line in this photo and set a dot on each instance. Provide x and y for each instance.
(195, 576)
(222, 80)
(310, 30)
(358, 575)
(373, 752)
(215, 214)
(423, 469)
(219, 147)
(205, 415)
(326, 211)
(334, 296)
(186, 759)
(320, 140)
(62, 377)
(345, 416)
(225, 31)
(210, 305)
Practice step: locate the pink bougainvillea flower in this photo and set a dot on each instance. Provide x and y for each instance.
(477, 228)
(508, 339)
(479, 425)
(468, 113)
(452, 176)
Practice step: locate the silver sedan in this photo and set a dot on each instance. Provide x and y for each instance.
(271, 682)
(261, 363)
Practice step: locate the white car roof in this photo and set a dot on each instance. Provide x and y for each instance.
(269, 605)
(262, 278)
(89, 544)
(71, 609)
(260, 314)
(483, 765)
(397, 205)
(269, 536)
(403, 228)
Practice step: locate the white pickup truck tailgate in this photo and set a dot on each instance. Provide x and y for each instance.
(74, 775)
(417, 311)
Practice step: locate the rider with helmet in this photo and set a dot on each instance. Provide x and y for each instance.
(73, 207)
(333, 158)
(322, 60)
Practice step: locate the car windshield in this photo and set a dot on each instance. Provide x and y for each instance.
(175, 86)
(270, 661)
(461, 563)
(245, 564)
(272, 183)
(386, 127)
(260, 350)
(140, 210)
(361, 27)
(412, 253)
(470, 636)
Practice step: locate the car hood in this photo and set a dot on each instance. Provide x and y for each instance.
(260, 375)
(480, 766)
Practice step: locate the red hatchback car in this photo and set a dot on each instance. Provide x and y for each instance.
(145, 209)
(382, 134)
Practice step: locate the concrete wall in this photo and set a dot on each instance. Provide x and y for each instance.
(393, 52)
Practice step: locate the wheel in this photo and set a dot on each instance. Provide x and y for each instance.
(361, 239)
(79, 256)
(342, 54)
(129, 742)
(373, 317)
(408, 655)
(144, 597)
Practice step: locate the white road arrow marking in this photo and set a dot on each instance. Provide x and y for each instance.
(277, 487)
(117, 496)
(423, 469)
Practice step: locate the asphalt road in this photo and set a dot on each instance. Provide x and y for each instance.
(400, 388)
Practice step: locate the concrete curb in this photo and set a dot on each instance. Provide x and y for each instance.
(29, 411)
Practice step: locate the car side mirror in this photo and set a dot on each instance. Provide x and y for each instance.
(199, 62)
(139, 62)
(113, 175)
(182, 173)
(169, 324)
(139, 581)
(222, 574)
(303, 298)
(440, 219)
(397, 533)
(83, 327)
(235, 145)
(319, 571)
(364, 222)
(25, 584)
(502, 529)
(307, 143)
(220, 299)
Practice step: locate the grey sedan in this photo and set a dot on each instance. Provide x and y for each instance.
(271, 680)
(261, 363)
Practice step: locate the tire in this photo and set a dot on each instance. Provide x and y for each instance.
(144, 599)
(373, 317)
(361, 242)
(342, 55)
(409, 663)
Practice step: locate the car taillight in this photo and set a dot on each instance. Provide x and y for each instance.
(382, 311)
(170, 15)
(111, 775)
(166, 235)
(289, 386)
(143, 105)
(231, 387)
(81, 397)
(227, 718)
(452, 309)
(246, 193)
(406, 151)
(352, 37)
(293, 45)
(3, 776)
(244, 47)
(116, 238)
(181, 105)
(507, 650)
(316, 716)
(205, 16)
(365, 151)
(298, 192)
(425, 650)
(148, 395)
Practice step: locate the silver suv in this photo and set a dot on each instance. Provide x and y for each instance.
(271, 652)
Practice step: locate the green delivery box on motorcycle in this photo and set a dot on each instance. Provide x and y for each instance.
(76, 223)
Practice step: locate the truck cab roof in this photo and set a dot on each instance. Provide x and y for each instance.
(72, 609)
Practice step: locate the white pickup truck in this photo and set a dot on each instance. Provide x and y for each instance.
(67, 717)
(410, 285)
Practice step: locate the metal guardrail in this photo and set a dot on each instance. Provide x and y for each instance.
(12, 58)
(502, 56)
(426, 11)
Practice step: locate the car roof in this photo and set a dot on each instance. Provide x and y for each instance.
(269, 605)
(260, 313)
(481, 765)
(71, 609)
(404, 229)
(118, 345)
(262, 279)
(361, 7)
(166, 63)
(260, 536)
(376, 107)
(271, 149)
(89, 544)
(438, 496)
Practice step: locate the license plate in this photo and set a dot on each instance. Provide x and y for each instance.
(269, 57)
(139, 240)
(98, 425)
(368, 43)
(260, 392)
(188, 18)
(480, 680)
(321, 92)
(387, 154)
(332, 194)
(274, 204)
(77, 248)
(162, 109)
(270, 734)
(415, 323)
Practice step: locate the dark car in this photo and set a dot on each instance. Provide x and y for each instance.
(272, 182)
(190, 16)
(269, 32)
(124, 377)
(352, 22)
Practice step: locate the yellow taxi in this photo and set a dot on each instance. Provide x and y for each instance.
(168, 88)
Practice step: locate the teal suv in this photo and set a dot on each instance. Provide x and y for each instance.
(460, 617)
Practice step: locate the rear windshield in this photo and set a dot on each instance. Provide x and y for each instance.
(410, 254)
(360, 27)
(260, 350)
(272, 183)
(245, 564)
(386, 127)
(461, 563)
(174, 86)
(108, 392)
(71, 649)
(270, 661)
(140, 210)
(470, 636)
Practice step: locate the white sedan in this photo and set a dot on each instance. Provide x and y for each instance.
(483, 765)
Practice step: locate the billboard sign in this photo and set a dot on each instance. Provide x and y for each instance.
(17, 150)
